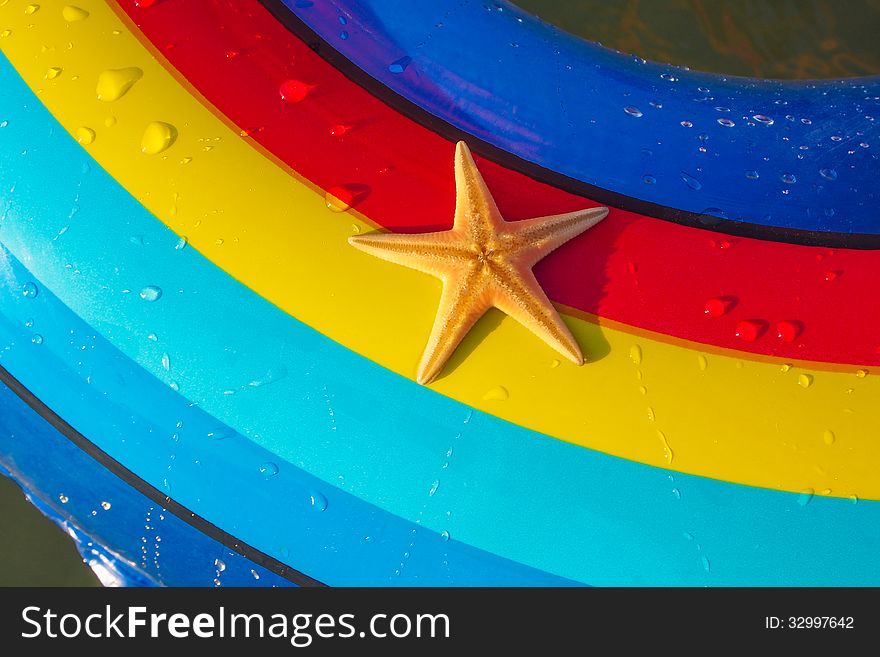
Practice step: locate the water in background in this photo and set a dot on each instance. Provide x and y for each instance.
(793, 39)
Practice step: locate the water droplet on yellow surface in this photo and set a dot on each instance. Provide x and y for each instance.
(84, 135)
(785, 367)
(498, 393)
(32, 9)
(861, 373)
(651, 415)
(668, 454)
(643, 390)
(114, 83)
(53, 72)
(555, 363)
(805, 380)
(335, 203)
(110, 121)
(5, 33)
(828, 437)
(73, 14)
(635, 353)
(158, 136)
(702, 362)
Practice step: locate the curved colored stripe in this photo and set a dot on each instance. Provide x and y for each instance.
(499, 487)
(639, 398)
(624, 271)
(609, 119)
(184, 452)
(51, 468)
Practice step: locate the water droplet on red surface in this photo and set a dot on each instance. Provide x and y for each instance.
(718, 306)
(294, 91)
(341, 197)
(231, 54)
(144, 4)
(789, 329)
(339, 129)
(831, 275)
(750, 329)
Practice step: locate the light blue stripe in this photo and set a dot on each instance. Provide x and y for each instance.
(495, 72)
(364, 430)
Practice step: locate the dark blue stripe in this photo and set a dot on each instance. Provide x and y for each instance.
(614, 122)
(135, 540)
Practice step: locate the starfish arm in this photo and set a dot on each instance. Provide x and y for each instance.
(475, 210)
(463, 302)
(530, 240)
(425, 252)
(518, 294)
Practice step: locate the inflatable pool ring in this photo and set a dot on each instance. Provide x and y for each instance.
(206, 383)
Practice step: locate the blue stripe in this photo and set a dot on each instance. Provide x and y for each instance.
(148, 545)
(504, 489)
(615, 122)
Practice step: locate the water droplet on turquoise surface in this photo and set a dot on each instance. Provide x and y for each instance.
(166, 362)
(690, 181)
(828, 437)
(828, 174)
(805, 496)
(498, 393)
(220, 433)
(399, 65)
(727, 123)
(158, 136)
(805, 380)
(434, 486)
(84, 135)
(271, 376)
(72, 14)
(294, 91)
(633, 111)
(114, 83)
(3, 124)
(788, 178)
(268, 469)
(181, 243)
(151, 293)
(37, 339)
(54, 72)
(444, 535)
(30, 290)
(318, 501)
(706, 565)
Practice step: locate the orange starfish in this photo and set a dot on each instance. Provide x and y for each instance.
(484, 262)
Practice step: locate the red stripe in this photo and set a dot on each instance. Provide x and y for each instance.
(637, 270)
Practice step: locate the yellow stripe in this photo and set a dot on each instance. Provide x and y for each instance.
(640, 396)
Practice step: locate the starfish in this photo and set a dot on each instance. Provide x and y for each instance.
(484, 262)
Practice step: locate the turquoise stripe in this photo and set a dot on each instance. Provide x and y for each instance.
(364, 430)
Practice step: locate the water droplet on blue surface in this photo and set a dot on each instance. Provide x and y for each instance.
(633, 111)
(318, 501)
(690, 181)
(761, 118)
(788, 178)
(727, 123)
(268, 469)
(828, 174)
(399, 66)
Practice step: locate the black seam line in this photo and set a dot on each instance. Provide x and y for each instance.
(199, 523)
(295, 25)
